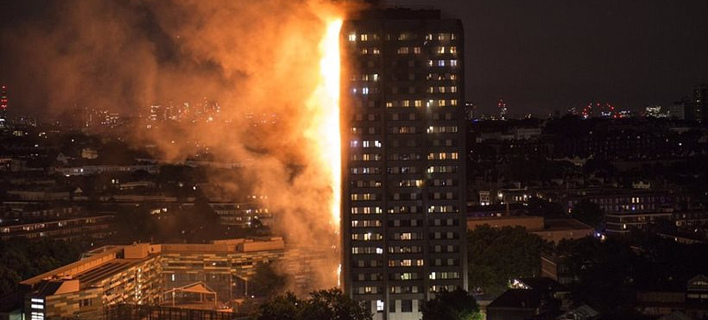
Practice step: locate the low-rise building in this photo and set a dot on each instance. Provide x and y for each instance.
(552, 230)
(141, 274)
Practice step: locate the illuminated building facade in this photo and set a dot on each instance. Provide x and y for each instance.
(700, 103)
(143, 274)
(3, 106)
(403, 159)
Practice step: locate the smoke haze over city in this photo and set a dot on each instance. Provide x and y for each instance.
(253, 58)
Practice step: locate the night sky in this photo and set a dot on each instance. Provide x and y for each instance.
(539, 56)
(549, 55)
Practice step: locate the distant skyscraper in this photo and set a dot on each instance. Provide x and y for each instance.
(678, 110)
(470, 110)
(699, 103)
(403, 222)
(3, 106)
(502, 109)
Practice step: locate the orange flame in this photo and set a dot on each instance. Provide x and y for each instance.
(325, 131)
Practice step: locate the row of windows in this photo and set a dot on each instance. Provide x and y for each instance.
(362, 130)
(369, 290)
(410, 116)
(411, 76)
(408, 209)
(405, 262)
(377, 263)
(405, 249)
(402, 130)
(367, 250)
(417, 50)
(443, 182)
(365, 170)
(364, 196)
(401, 236)
(366, 210)
(405, 169)
(404, 156)
(420, 103)
(442, 169)
(404, 289)
(405, 36)
(407, 236)
(365, 223)
(442, 63)
(442, 89)
(408, 223)
(366, 144)
(405, 130)
(370, 50)
(418, 183)
(361, 103)
(366, 157)
(367, 184)
(367, 236)
(405, 209)
(443, 155)
(442, 209)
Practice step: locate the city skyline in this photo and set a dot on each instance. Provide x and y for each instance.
(538, 57)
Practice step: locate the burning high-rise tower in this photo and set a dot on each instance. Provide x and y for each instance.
(403, 200)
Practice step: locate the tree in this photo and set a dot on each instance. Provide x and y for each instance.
(540, 207)
(329, 304)
(496, 256)
(588, 212)
(8, 280)
(333, 304)
(282, 307)
(606, 272)
(267, 282)
(24, 258)
(451, 305)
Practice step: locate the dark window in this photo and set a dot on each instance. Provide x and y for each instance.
(406, 305)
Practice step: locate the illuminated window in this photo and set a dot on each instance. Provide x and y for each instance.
(352, 37)
(453, 63)
(364, 37)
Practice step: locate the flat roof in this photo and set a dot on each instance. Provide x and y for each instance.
(564, 224)
(105, 270)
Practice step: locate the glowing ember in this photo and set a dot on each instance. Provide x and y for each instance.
(325, 126)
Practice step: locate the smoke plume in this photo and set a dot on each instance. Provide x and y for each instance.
(256, 59)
